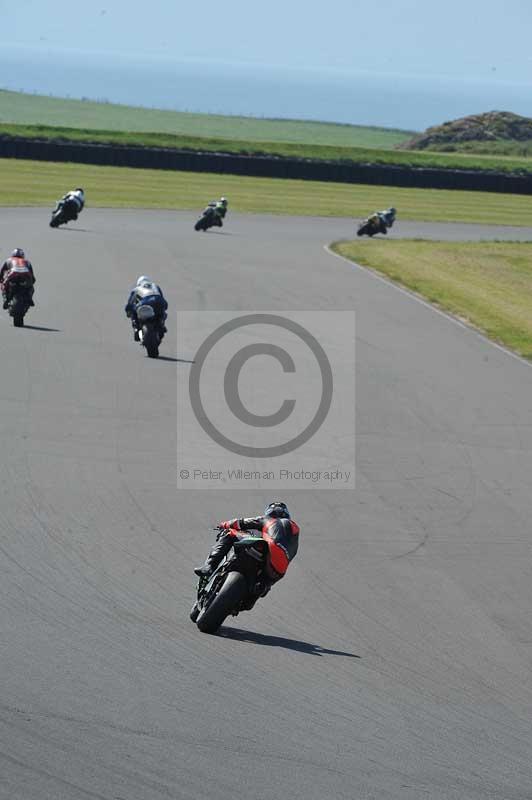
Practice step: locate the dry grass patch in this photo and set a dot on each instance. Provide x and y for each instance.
(487, 283)
(35, 183)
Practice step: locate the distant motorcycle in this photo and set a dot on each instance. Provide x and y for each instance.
(371, 226)
(20, 295)
(150, 333)
(232, 587)
(208, 219)
(379, 222)
(64, 213)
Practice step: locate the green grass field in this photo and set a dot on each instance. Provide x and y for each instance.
(29, 109)
(487, 283)
(405, 158)
(75, 120)
(35, 183)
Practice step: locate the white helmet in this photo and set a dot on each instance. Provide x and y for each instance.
(143, 279)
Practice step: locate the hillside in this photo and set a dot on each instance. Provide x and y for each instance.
(30, 109)
(37, 117)
(493, 132)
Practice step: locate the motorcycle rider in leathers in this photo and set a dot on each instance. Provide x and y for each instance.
(11, 269)
(382, 220)
(146, 291)
(387, 216)
(275, 526)
(75, 200)
(219, 209)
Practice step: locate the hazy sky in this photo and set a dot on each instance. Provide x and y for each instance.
(477, 39)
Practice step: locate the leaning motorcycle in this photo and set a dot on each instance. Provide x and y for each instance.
(371, 226)
(19, 300)
(64, 213)
(150, 334)
(207, 220)
(233, 587)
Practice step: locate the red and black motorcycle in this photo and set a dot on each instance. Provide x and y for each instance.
(234, 586)
(19, 290)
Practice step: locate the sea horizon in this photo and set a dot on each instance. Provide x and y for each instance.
(404, 102)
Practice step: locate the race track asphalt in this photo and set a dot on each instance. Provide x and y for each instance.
(394, 661)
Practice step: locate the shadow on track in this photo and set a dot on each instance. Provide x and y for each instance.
(280, 641)
(40, 328)
(175, 360)
(73, 230)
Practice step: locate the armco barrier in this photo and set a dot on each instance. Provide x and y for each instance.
(264, 166)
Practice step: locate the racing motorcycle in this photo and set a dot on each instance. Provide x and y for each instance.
(150, 334)
(19, 304)
(372, 225)
(234, 586)
(20, 295)
(208, 219)
(65, 212)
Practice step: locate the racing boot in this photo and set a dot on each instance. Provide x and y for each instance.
(220, 549)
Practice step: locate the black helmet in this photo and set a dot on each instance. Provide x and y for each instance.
(18, 252)
(277, 510)
(392, 211)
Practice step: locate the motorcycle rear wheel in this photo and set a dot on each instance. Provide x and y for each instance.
(229, 597)
(150, 340)
(17, 311)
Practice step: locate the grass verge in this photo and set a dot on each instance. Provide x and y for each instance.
(35, 183)
(301, 149)
(489, 284)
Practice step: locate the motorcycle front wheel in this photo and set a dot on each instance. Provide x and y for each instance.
(195, 612)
